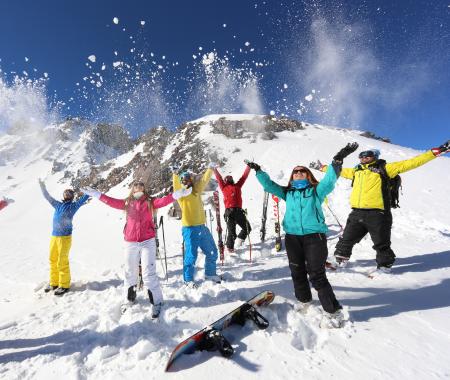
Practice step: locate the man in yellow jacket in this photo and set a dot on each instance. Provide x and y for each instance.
(195, 233)
(371, 206)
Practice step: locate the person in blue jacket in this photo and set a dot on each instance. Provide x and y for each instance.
(61, 239)
(305, 228)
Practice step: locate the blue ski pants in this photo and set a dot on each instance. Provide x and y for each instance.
(198, 237)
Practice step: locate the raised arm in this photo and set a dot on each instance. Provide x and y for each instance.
(394, 168)
(219, 179)
(80, 202)
(161, 202)
(242, 180)
(47, 196)
(118, 204)
(200, 185)
(176, 182)
(270, 186)
(326, 185)
(338, 160)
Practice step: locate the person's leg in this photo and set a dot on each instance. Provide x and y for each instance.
(379, 224)
(208, 246)
(316, 252)
(354, 231)
(190, 238)
(231, 228)
(53, 260)
(297, 265)
(131, 271)
(149, 276)
(65, 242)
(242, 222)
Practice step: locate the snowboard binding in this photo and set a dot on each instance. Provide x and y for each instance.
(214, 340)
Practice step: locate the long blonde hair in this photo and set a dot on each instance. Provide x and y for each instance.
(131, 198)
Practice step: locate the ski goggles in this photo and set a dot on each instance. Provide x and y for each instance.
(367, 153)
(138, 184)
(301, 170)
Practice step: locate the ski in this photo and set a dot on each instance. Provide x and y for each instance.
(219, 225)
(276, 211)
(264, 217)
(210, 338)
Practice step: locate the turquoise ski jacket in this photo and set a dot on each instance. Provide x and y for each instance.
(304, 213)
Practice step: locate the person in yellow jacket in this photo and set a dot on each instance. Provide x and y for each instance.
(370, 208)
(195, 233)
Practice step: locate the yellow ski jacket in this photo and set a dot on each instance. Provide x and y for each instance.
(367, 192)
(192, 211)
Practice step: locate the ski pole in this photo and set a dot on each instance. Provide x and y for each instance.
(335, 217)
(211, 218)
(161, 224)
(155, 222)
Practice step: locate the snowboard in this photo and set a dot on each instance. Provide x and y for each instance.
(210, 338)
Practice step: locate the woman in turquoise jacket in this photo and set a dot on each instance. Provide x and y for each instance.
(304, 224)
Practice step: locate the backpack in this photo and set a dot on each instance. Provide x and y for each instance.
(390, 187)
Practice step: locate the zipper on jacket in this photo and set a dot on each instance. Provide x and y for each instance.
(360, 188)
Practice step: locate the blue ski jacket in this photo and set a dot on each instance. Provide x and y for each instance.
(64, 212)
(304, 213)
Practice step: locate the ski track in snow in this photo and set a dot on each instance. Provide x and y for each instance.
(397, 328)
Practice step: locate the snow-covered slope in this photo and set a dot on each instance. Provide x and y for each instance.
(398, 324)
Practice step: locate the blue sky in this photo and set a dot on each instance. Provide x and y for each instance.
(371, 65)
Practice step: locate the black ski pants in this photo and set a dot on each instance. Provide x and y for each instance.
(307, 255)
(378, 223)
(235, 216)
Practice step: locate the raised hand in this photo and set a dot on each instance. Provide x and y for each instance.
(181, 193)
(345, 151)
(315, 165)
(174, 168)
(91, 192)
(444, 148)
(253, 165)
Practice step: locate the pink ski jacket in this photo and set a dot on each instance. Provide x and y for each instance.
(139, 226)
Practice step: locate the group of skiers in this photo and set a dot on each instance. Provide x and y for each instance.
(304, 225)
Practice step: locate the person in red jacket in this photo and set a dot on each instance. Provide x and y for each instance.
(234, 214)
(140, 244)
(5, 202)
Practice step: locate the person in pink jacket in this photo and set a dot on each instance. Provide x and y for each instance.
(139, 234)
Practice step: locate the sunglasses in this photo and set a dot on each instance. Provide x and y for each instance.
(366, 154)
(138, 184)
(302, 170)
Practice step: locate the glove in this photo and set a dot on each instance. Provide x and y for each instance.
(316, 165)
(254, 166)
(174, 168)
(181, 193)
(91, 192)
(444, 148)
(8, 200)
(212, 165)
(344, 152)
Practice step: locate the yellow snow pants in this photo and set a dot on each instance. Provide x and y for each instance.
(59, 261)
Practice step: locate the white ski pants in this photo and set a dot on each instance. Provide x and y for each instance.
(145, 251)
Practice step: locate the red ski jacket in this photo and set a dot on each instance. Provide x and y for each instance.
(232, 193)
